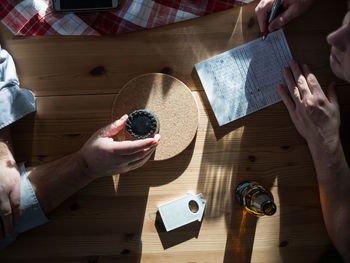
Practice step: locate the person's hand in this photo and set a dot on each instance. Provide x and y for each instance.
(292, 9)
(103, 156)
(10, 209)
(315, 115)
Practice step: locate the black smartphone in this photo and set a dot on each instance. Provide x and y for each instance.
(83, 5)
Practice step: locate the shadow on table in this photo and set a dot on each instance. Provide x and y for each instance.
(234, 153)
(186, 232)
(133, 215)
(23, 147)
(230, 161)
(249, 166)
(167, 171)
(176, 236)
(257, 147)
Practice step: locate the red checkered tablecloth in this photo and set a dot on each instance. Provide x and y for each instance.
(37, 17)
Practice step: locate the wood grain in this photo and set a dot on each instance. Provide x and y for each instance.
(76, 79)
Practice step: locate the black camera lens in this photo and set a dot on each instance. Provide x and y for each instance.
(142, 124)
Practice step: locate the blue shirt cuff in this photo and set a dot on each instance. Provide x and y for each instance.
(32, 214)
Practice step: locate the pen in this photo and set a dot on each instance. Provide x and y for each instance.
(275, 6)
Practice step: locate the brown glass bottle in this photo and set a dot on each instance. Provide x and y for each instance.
(255, 198)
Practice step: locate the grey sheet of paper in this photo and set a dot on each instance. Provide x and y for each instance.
(244, 79)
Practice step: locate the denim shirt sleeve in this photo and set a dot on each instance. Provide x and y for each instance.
(14, 102)
(31, 213)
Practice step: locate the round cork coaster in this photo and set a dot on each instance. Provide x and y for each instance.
(172, 103)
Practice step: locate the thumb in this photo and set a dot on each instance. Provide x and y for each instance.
(113, 128)
(281, 20)
(262, 12)
(331, 94)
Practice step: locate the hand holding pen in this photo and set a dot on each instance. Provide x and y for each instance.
(268, 19)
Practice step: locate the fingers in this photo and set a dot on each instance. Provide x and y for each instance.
(137, 160)
(300, 80)
(287, 100)
(113, 128)
(311, 80)
(156, 137)
(281, 20)
(262, 11)
(139, 155)
(136, 164)
(6, 214)
(131, 147)
(15, 201)
(292, 86)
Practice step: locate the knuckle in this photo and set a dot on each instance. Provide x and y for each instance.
(300, 81)
(296, 92)
(259, 8)
(5, 212)
(320, 100)
(309, 104)
(281, 21)
(16, 204)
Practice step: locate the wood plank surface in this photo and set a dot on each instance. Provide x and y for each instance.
(115, 219)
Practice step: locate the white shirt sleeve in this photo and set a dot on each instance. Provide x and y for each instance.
(14, 102)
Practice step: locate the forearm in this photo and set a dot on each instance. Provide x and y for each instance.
(334, 185)
(55, 181)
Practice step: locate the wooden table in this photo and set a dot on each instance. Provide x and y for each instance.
(75, 80)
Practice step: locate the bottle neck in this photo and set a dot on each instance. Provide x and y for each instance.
(262, 202)
(269, 208)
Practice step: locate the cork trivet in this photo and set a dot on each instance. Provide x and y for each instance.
(172, 103)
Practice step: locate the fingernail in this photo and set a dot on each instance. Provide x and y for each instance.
(157, 137)
(264, 34)
(124, 117)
